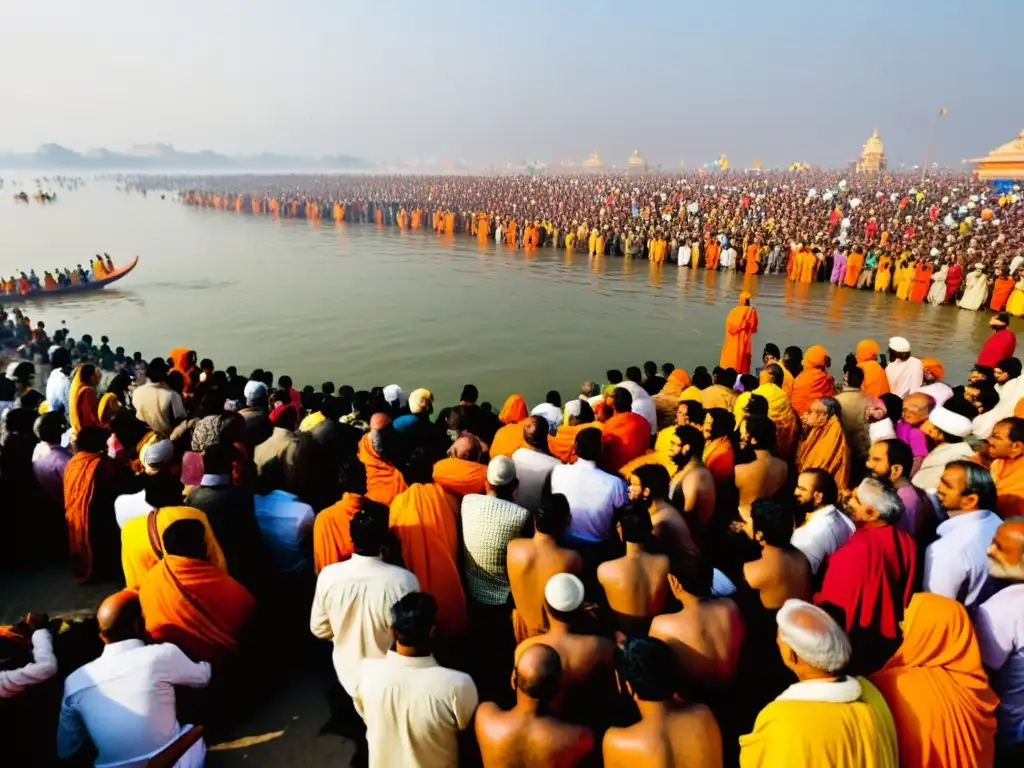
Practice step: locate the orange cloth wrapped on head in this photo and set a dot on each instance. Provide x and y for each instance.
(383, 481)
(876, 383)
(509, 438)
(332, 542)
(813, 382)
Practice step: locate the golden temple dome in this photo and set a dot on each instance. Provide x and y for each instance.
(636, 160)
(594, 161)
(874, 145)
(1003, 162)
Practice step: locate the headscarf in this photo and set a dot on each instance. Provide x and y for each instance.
(676, 382)
(108, 408)
(514, 410)
(210, 430)
(82, 403)
(933, 366)
(937, 690)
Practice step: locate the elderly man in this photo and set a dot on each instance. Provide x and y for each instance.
(824, 529)
(671, 731)
(905, 373)
(533, 463)
(528, 734)
(869, 580)
(826, 718)
(999, 622)
(889, 461)
(946, 430)
(917, 408)
(1005, 447)
(955, 564)
(823, 443)
(124, 701)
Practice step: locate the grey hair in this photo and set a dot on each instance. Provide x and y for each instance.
(977, 480)
(831, 405)
(881, 498)
(818, 639)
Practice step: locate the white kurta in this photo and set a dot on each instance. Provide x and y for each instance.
(937, 293)
(975, 290)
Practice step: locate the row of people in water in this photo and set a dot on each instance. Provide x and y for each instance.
(99, 268)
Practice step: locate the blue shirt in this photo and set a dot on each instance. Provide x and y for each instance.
(286, 525)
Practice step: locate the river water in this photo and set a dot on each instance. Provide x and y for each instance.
(365, 306)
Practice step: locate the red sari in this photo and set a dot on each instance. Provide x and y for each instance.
(954, 276)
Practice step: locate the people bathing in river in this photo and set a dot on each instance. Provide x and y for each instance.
(775, 610)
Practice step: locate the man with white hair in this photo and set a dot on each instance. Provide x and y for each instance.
(999, 622)
(905, 373)
(827, 718)
(945, 430)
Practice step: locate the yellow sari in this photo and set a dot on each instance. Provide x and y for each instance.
(82, 404)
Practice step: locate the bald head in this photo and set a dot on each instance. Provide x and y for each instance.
(535, 433)
(120, 617)
(1006, 552)
(539, 672)
(467, 448)
(379, 421)
(916, 408)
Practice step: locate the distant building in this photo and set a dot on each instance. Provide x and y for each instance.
(1005, 162)
(593, 163)
(636, 163)
(872, 157)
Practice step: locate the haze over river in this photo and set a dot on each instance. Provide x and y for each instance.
(364, 306)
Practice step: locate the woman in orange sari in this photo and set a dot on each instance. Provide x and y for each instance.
(937, 689)
(921, 282)
(83, 402)
(509, 438)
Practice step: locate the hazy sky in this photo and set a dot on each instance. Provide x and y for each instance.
(491, 82)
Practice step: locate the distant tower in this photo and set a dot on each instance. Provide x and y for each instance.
(593, 163)
(636, 163)
(872, 157)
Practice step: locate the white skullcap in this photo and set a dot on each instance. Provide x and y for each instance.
(564, 592)
(254, 390)
(899, 344)
(881, 430)
(393, 394)
(155, 455)
(573, 408)
(501, 471)
(550, 414)
(949, 422)
(420, 400)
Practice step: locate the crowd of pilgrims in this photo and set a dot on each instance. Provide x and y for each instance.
(812, 563)
(948, 238)
(99, 268)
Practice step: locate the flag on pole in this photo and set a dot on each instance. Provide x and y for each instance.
(943, 112)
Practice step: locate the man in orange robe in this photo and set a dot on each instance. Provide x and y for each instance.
(188, 602)
(510, 233)
(1001, 290)
(384, 480)
(713, 249)
(89, 492)
(922, 281)
(823, 443)
(876, 383)
(808, 264)
(753, 256)
(142, 544)
(482, 228)
(854, 265)
(740, 327)
(509, 438)
(627, 435)
(1006, 449)
(813, 381)
(581, 416)
(332, 542)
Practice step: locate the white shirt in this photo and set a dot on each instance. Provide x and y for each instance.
(42, 667)
(934, 464)
(728, 257)
(904, 376)
(955, 565)
(58, 391)
(824, 531)
(128, 506)
(286, 525)
(124, 701)
(414, 710)
(999, 622)
(533, 469)
(685, 253)
(593, 497)
(938, 391)
(352, 607)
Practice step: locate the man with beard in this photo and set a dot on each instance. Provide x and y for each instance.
(945, 430)
(759, 474)
(890, 461)
(824, 529)
(692, 488)
(999, 622)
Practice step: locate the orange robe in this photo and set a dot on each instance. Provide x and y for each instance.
(854, 265)
(811, 384)
(1009, 478)
(561, 443)
(507, 440)
(482, 228)
(937, 690)
(510, 233)
(1001, 290)
(720, 460)
(383, 480)
(825, 448)
(808, 266)
(713, 251)
(460, 476)
(424, 518)
(753, 253)
(79, 488)
(332, 541)
(196, 606)
(449, 223)
(740, 327)
(876, 383)
(138, 555)
(626, 436)
(921, 283)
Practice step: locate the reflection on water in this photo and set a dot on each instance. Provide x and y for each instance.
(365, 305)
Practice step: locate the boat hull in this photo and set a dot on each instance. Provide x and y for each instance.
(71, 290)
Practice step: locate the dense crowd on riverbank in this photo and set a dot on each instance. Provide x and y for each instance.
(919, 239)
(848, 522)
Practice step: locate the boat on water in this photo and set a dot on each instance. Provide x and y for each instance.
(95, 285)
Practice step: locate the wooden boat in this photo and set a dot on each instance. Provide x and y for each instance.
(43, 293)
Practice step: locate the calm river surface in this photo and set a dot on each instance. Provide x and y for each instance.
(358, 305)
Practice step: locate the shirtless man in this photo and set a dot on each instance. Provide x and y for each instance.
(532, 562)
(670, 732)
(635, 583)
(764, 475)
(707, 634)
(587, 660)
(527, 736)
(671, 533)
(692, 488)
(783, 572)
